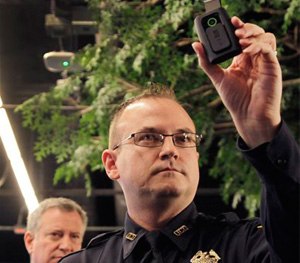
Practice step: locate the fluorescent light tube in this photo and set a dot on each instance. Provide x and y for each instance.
(17, 163)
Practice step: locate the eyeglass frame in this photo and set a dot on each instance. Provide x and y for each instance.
(198, 137)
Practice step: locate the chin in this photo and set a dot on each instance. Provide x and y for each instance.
(168, 192)
(162, 190)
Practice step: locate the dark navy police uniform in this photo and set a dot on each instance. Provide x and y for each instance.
(195, 237)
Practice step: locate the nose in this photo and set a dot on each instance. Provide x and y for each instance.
(168, 149)
(66, 245)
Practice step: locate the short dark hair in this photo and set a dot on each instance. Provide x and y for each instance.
(153, 90)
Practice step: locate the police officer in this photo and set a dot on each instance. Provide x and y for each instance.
(152, 154)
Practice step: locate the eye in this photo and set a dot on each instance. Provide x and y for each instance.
(184, 138)
(146, 138)
(75, 236)
(55, 235)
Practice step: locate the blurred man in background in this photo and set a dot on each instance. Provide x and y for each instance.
(54, 229)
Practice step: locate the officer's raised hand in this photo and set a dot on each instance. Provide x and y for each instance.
(251, 86)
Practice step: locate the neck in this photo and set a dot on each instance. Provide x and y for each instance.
(156, 216)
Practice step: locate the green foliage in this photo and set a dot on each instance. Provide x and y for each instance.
(150, 41)
(293, 13)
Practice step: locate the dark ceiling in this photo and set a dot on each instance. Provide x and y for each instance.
(23, 41)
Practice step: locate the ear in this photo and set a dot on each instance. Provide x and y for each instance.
(28, 240)
(109, 162)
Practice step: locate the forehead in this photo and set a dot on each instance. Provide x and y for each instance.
(60, 219)
(161, 113)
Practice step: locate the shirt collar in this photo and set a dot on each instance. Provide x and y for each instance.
(178, 230)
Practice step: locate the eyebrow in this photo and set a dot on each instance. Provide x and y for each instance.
(76, 233)
(157, 130)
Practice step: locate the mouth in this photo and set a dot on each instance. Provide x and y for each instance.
(169, 170)
(158, 170)
(57, 258)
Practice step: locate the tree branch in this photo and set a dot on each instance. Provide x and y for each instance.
(183, 42)
(128, 85)
(290, 82)
(148, 3)
(197, 91)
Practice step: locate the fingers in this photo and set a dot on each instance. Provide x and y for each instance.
(244, 30)
(265, 38)
(252, 32)
(254, 39)
(237, 23)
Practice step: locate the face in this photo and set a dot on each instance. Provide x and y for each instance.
(60, 233)
(161, 173)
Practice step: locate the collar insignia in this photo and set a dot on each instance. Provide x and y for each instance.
(179, 231)
(131, 236)
(205, 257)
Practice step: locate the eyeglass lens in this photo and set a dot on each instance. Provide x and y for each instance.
(157, 139)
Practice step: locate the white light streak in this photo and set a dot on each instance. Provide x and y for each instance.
(17, 163)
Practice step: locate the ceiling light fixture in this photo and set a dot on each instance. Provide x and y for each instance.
(12, 150)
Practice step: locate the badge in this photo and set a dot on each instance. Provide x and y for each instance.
(205, 257)
(179, 231)
(131, 236)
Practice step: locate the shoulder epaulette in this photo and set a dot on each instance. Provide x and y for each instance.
(229, 217)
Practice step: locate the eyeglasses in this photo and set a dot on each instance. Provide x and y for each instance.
(152, 139)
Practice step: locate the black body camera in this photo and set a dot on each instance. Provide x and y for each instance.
(216, 33)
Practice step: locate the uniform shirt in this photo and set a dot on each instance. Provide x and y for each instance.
(195, 237)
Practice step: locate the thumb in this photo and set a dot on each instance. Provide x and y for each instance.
(214, 72)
